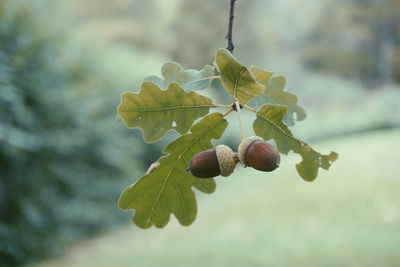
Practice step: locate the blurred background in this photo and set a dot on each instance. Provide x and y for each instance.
(65, 156)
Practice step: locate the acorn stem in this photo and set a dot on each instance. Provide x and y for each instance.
(240, 119)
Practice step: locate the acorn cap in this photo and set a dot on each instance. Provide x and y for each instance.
(227, 159)
(244, 145)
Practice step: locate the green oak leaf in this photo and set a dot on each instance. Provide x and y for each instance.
(190, 80)
(274, 94)
(236, 78)
(156, 111)
(269, 125)
(167, 189)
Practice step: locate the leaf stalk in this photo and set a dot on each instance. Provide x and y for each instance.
(249, 108)
(227, 112)
(222, 106)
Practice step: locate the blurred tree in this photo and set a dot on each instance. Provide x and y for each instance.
(143, 24)
(357, 38)
(62, 166)
(199, 31)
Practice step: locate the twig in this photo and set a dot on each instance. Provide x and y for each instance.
(230, 46)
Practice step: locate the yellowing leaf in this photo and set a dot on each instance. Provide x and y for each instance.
(167, 189)
(274, 94)
(156, 111)
(269, 125)
(190, 80)
(236, 78)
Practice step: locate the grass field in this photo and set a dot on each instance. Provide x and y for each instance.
(349, 216)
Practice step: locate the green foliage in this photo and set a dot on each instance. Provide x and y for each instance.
(166, 189)
(361, 40)
(274, 94)
(190, 80)
(156, 111)
(236, 78)
(62, 166)
(269, 125)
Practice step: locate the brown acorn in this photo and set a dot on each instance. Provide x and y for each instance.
(220, 160)
(255, 152)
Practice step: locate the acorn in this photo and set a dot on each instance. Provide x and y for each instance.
(209, 163)
(253, 151)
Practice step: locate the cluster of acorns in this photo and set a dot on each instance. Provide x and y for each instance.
(253, 152)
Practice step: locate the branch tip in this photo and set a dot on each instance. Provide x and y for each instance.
(230, 46)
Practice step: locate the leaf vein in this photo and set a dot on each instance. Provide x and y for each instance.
(179, 191)
(150, 214)
(167, 108)
(238, 76)
(279, 128)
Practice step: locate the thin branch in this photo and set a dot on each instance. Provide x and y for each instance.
(230, 46)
